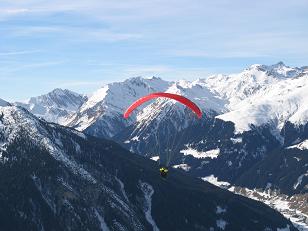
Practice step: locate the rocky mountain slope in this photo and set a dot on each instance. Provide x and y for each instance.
(55, 178)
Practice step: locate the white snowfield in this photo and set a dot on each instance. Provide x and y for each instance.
(264, 95)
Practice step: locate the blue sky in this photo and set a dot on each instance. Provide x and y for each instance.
(81, 45)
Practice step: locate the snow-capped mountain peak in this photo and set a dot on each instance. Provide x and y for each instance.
(254, 80)
(109, 102)
(58, 97)
(246, 93)
(114, 93)
(55, 106)
(275, 99)
(258, 95)
(280, 70)
(95, 98)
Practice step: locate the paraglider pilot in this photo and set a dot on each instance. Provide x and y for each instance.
(163, 171)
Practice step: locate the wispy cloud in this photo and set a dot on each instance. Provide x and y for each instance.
(14, 11)
(23, 52)
(256, 44)
(72, 33)
(238, 53)
(42, 64)
(29, 66)
(88, 41)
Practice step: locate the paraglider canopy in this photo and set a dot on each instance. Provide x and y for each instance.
(164, 160)
(176, 97)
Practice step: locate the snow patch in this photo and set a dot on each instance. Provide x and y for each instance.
(185, 167)
(236, 140)
(220, 210)
(155, 158)
(199, 155)
(299, 180)
(80, 134)
(284, 229)
(135, 138)
(148, 191)
(302, 146)
(221, 224)
(101, 220)
(122, 188)
(213, 180)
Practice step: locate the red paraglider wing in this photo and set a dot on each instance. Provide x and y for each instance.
(176, 97)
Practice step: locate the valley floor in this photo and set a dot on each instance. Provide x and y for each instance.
(294, 208)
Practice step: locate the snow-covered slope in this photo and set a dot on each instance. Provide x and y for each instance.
(195, 91)
(254, 79)
(56, 106)
(16, 121)
(263, 95)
